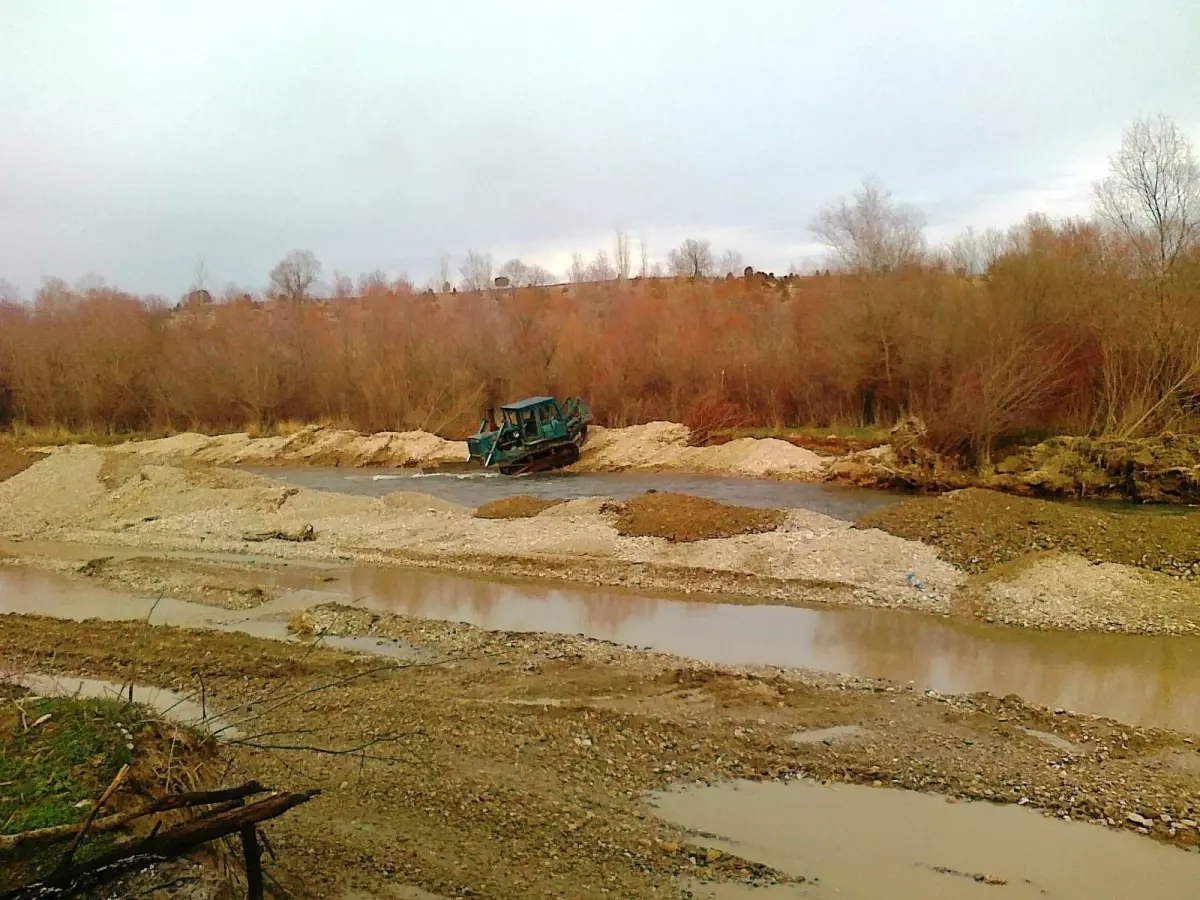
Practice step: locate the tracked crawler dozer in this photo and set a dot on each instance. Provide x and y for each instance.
(533, 435)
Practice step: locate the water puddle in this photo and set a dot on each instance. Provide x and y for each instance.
(859, 843)
(1143, 680)
(183, 709)
(475, 488)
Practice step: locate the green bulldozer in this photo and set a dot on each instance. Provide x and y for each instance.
(531, 436)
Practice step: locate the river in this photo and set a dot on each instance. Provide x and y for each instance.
(1143, 680)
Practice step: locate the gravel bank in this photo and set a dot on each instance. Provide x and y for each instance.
(518, 768)
(1052, 565)
(86, 495)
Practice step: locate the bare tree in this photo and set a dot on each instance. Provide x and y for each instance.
(870, 232)
(9, 292)
(1152, 194)
(343, 285)
(476, 271)
(295, 274)
(975, 253)
(536, 276)
(645, 270)
(443, 278)
(692, 258)
(579, 269)
(731, 263)
(516, 272)
(601, 268)
(622, 259)
(199, 274)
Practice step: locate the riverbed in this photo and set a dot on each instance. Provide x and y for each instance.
(1143, 680)
(474, 488)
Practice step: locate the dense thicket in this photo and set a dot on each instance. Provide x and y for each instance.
(1065, 332)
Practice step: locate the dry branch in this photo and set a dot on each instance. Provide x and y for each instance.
(157, 847)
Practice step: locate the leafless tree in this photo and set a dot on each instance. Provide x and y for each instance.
(372, 283)
(731, 263)
(9, 292)
(601, 268)
(974, 253)
(199, 274)
(536, 276)
(443, 277)
(294, 276)
(516, 272)
(622, 259)
(870, 232)
(645, 270)
(692, 258)
(1152, 192)
(476, 271)
(343, 285)
(579, 270)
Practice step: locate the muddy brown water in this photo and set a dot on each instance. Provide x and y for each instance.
(853, 842)
(475, 488)
(1143, 680)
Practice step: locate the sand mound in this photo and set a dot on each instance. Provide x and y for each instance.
(520, 507)
(679, 517)
(313, 446)
(1067, 591)
(664, 446)
(581, 506)
(64, 485)
(412, 501)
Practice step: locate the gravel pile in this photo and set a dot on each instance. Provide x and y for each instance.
(810, 557)
(1066, 591)
(665, 446)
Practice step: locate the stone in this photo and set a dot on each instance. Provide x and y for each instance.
(1137, 820)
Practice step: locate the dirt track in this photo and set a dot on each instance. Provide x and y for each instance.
(517, 767)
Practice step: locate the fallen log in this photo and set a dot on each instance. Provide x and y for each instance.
(11, 842)
(307, 533)
(159, 847)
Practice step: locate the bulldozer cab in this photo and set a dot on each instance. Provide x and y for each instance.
(532, 435)
(536, 419)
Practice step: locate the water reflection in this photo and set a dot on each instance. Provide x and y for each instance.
(1143, 680)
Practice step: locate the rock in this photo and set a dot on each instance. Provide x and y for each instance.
(670, 847)
(712, 855)
(1137, 820)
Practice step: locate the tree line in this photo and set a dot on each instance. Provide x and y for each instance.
(1087, 325)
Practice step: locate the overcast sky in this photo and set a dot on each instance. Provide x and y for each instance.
(137, 137)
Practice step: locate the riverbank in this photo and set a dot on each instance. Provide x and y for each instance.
(516, 765)
(85, 495)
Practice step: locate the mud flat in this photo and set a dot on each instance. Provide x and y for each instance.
(521, 765)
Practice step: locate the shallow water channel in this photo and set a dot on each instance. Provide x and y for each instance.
(1145, 680)
(474, 488)
(853, 842)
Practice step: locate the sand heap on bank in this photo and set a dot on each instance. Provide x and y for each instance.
(658, 446)
(105, 498)
(664, 446)
(313, 445)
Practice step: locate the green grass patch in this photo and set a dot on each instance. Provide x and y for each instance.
(50, 773)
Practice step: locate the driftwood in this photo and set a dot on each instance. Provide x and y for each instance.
(304, 534)
(159, 846)
(10, 842)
